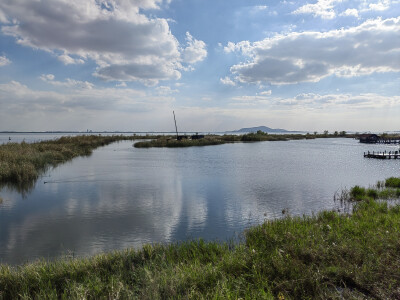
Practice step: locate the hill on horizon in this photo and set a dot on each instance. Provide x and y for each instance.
(262, 128)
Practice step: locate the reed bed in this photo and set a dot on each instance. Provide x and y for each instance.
(22, 163)
(209, 140)
(329, 255)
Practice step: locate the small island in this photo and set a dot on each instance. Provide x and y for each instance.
(171, 141)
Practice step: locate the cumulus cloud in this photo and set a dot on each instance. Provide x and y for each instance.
(329, 9)
(351, 12)
(195, 50)
(125, 43)
(323, 9)
(4, 61)
(373, 46)
(379, 6)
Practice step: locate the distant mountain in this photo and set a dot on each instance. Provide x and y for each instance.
(262, 128)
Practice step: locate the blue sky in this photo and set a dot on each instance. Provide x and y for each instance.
(221, 65)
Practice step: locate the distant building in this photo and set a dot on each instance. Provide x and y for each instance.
(368, 138)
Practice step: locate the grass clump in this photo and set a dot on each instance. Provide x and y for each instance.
(324, 256)
(392, 182)
(357, 193)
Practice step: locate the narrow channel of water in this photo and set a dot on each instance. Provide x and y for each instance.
(123, 197)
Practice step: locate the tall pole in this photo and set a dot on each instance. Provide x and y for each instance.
(176, 128)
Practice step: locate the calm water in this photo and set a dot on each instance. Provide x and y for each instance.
(124, 197)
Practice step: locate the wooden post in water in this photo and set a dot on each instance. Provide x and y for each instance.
(176, 128)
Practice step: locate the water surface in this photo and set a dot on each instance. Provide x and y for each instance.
(123, 197)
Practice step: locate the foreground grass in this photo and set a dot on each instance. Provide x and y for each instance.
(326, 256)
(22, 163)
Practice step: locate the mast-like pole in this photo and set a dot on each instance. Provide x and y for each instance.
(176, 128)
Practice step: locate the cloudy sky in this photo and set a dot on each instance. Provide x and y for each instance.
(221, 65)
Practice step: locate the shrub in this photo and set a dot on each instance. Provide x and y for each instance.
(393, 182)
(357, 193)
(372, 193)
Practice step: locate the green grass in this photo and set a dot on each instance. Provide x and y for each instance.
(325, 256)
(392, 182)
(389, 190)
(22, 163)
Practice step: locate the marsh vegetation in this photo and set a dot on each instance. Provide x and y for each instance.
(22, 163)
(208, 140)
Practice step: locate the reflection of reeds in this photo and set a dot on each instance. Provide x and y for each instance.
(1, 200)
(22, 163)
(328, 255)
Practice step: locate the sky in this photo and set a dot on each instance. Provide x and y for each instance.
(126, 65)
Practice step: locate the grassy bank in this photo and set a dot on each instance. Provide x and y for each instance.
(172, 142)
(22, 163)
(325, 256)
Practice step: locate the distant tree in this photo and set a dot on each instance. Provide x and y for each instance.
(261, 132)
(315, 133)
(336, 133)
(326, 132)
(342, 133)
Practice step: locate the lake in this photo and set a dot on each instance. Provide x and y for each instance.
(122, 197)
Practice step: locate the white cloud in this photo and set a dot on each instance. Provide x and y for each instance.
(165, 90)
(4, 61)
(328, 9)
(125, 43)
(68, 83)
(20, 99)
(373, 46)
(323, 9)
(260, 7)
(317, 101)
(195, 50)
(351, 12)
(47, 77)
(266, 93)
(227, 81)
(68, 60)
(379, 6)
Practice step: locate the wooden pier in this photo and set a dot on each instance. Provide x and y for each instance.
(388, 141)
(383, 155)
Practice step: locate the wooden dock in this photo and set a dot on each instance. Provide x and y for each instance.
(388, 141)
(383, 155)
